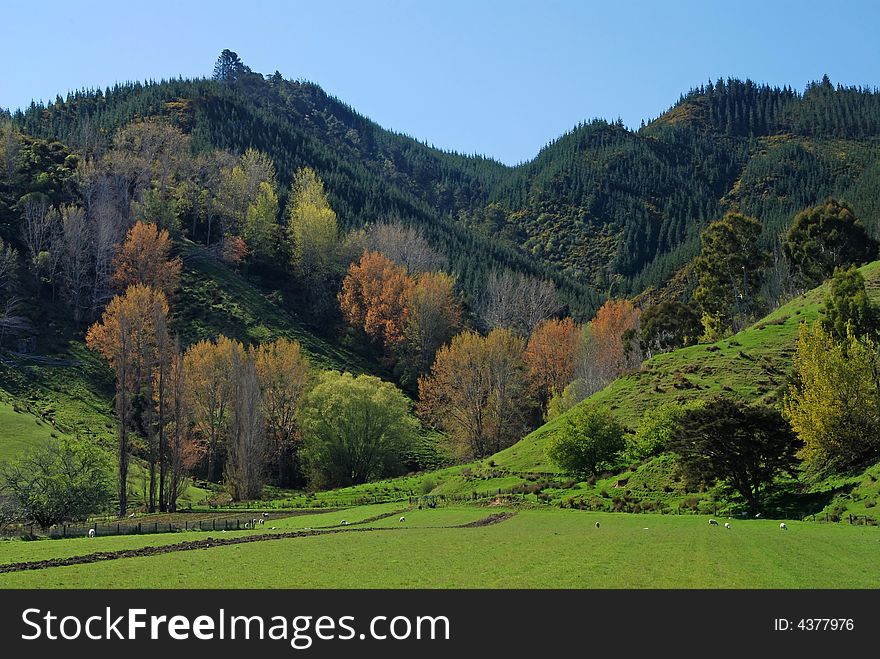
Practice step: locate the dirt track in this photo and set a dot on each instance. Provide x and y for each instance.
(208, 543)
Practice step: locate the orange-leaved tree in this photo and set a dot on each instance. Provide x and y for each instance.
(477, 392)
(374, 296)
(613, 346)
(207, 368)
(144, 258)
(284, 374)
(552, 354)
(433, 316)
(129, 336)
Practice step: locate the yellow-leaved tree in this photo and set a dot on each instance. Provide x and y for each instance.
(834, 404)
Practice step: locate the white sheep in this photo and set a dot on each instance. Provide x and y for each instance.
(343, 523)
(597, 525)
(783, 526)
(132, 516)
(265, 514)
(273, 528)
(262, 521)
(254, 521)
(402, 518)
(91, 533)
(727, 525)
(713, 522)
(757, 515)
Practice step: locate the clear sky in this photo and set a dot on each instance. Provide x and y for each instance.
(499, 78)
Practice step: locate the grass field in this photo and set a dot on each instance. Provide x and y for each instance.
(536, 548)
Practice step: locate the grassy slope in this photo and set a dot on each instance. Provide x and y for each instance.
(534, 549)
(754, 363)
(68, 385)
(21, 429)
(215, 300)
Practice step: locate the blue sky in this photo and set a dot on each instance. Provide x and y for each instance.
(489, 77)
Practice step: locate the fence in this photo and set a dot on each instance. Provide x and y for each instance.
(124, 528)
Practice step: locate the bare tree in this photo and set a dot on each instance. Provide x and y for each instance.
(516, 301)
(38, 224)
(75, 251)
(247, 449)
(405, 246)
(8, 266)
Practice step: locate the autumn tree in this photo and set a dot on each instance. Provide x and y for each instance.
(825, 237)
(127, 336)
(284, 375)
(182, 450)
(552, 354)
(433, 316)
(209, 396)
(612, 344)
(356, 428)
(478, 392)
(144, 258)
(374, 298)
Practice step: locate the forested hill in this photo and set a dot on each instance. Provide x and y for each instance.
(601, 210)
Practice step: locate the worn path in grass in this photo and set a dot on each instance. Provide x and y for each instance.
(210, 542)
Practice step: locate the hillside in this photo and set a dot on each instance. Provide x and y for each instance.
(754, 364)
(602, 208)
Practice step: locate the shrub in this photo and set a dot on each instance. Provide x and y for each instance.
(589, 441)
(656, 428)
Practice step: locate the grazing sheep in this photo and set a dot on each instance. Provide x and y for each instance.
(254, 521)
(757, 515)
(713, 522)
(91, 533)
(783, 526)
(132, 516)
(273, 528)
(402, 518)
(265, 514)
(262, 521)
(343, 523)
(597, 525)
(246, 525)
(727, 525)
